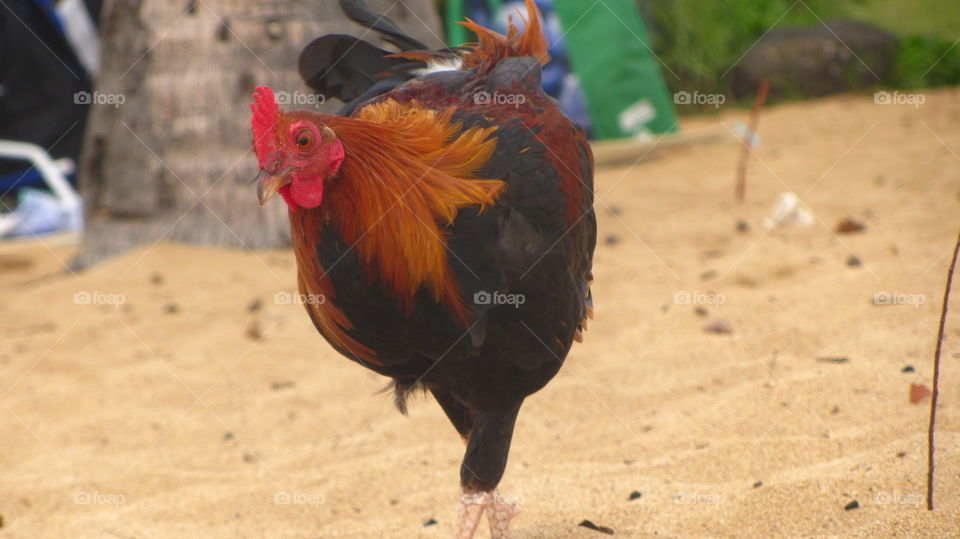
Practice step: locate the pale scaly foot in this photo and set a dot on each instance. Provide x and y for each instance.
(472, 507)
(499, 514)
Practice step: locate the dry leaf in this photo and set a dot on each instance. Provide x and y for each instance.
(918, 393)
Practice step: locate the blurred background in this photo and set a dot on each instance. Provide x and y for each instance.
(112, 92)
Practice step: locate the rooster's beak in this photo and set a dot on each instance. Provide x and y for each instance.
(268, 184)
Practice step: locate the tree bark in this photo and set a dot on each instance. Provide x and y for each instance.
(173, 162)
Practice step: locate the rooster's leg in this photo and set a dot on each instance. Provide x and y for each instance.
(472, 507)
(499, 513)
(470, 510)
(487, 435)
(483, 465)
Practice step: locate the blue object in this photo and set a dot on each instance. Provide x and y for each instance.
(558, 80)
(39, 212)
(50, 10)
(28, 178)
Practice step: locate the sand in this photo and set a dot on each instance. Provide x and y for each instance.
(185, 411)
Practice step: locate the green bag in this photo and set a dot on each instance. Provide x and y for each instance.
(619, 73)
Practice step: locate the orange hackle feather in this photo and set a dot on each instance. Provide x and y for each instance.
(493, 46)
(408, 171)
(314, 283)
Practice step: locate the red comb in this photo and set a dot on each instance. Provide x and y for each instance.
(266, 114)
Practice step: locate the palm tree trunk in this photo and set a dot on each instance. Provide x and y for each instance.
(167, 150)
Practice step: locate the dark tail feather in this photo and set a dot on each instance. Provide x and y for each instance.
(343, 66)
(402, 390)
(353, 70)
(358, 12)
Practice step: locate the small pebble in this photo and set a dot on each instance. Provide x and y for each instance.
(854, 262)
(602, 529)
(635, 495)
(743, 226)
(611, 239)
(254, 306)
(430, 522)
(852, 505)
(701, 311)
(253, 331)
(833, 359)
(718, 326)
(228, 436)
(171, 308)
(849, 226)
(156, 278)
(908, 368)
(758, 484)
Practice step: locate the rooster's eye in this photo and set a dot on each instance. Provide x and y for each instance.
(304, 139)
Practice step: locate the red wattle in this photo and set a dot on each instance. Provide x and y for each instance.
(306, 193)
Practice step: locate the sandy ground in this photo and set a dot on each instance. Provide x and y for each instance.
(169, 416)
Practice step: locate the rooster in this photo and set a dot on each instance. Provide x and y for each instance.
(447, 222)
